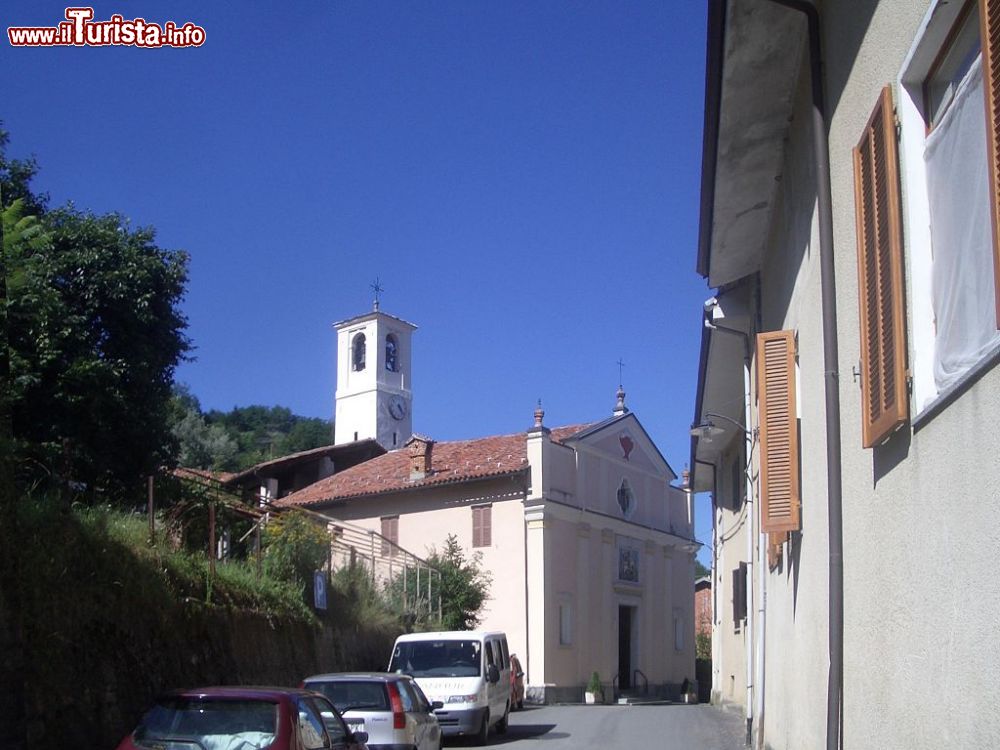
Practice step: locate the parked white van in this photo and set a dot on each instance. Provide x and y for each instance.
(467, 670)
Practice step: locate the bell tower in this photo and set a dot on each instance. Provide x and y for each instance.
(374, 397)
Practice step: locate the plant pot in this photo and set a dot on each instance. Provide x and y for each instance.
(590, 698)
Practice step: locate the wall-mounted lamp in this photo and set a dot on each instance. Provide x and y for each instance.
(707, 430)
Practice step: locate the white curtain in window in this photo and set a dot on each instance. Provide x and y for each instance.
(962, 266)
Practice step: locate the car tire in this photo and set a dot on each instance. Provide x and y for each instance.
(483, 736)
(504, 722)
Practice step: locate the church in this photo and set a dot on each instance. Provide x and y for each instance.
(589, 544)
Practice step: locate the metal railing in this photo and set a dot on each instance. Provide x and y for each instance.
(406, 582)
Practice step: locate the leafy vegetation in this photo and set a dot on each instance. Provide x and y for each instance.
(241, 437)
(93, 335)
(703, 646)
(294, 547)
(464, 585)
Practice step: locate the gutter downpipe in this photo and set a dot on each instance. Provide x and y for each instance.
(749, 500)
(831, 377)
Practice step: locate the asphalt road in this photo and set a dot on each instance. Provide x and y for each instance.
(671, 727)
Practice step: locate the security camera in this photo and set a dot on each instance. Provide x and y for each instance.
(711, 303)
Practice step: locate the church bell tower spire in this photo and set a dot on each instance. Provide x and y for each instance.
(374, 395)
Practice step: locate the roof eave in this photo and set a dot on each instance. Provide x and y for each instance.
(714, 57)
(341, 499)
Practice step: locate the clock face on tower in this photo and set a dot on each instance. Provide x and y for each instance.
(397, 407)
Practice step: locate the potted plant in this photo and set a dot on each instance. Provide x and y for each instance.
(594, 693)
(689, 693)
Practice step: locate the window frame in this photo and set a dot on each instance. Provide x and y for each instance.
(931, 37)
(482, 525)
(390, 535)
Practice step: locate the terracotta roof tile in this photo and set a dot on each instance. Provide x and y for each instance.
(452, 461)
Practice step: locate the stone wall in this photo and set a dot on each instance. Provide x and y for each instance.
(98, 680)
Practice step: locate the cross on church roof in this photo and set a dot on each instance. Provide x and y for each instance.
(620, 366)
(378, 289)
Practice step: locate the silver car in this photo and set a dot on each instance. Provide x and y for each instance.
(391, 708)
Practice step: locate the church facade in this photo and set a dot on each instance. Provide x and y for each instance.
(588, 542)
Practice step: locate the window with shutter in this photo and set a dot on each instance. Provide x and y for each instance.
(739, 594)
(885, 405)
(949, 116)
(989, 29)
(779, 433)
(482, 522)
(390, 535)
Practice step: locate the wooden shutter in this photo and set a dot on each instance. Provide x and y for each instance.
(740, 593)
(885, 404)
(482, 523)
(390, 535)
(989, 28)
(779, 432)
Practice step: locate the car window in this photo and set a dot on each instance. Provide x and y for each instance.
(489, 654)
(504, 656)
(412, 697)
(206, 720)
(311, 728)
(362, 695)
(421, 698)
(335, 726)
(445, 658)
(406, 696)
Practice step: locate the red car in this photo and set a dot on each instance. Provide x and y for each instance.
(237, 718)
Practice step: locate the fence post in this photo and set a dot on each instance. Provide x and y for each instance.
(149, 510)
(211, 538)
(257, 545)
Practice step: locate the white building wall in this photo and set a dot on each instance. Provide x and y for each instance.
(921, 521)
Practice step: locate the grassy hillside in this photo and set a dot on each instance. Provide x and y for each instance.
(109, 621)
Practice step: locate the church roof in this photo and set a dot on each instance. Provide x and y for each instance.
(453, 461)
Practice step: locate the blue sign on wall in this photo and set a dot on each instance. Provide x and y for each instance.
(319, 589)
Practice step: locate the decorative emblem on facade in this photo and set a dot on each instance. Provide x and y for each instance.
(626, 498)
(627, 444)
(628, 563)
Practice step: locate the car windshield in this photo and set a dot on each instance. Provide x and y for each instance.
(209, 724)
(437, 658)
(352, 695)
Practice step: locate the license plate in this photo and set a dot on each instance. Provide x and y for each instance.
(355, 726)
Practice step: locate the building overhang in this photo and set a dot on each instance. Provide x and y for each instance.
(755, 50)
(721, 387)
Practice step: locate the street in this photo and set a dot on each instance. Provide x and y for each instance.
(670, 727)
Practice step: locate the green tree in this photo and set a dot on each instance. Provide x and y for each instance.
(464, 585)
(199, 444)
(294, 547)
(94, 334)
(266, 432)
(700, 571)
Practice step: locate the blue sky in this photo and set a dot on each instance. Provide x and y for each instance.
(522, 177)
